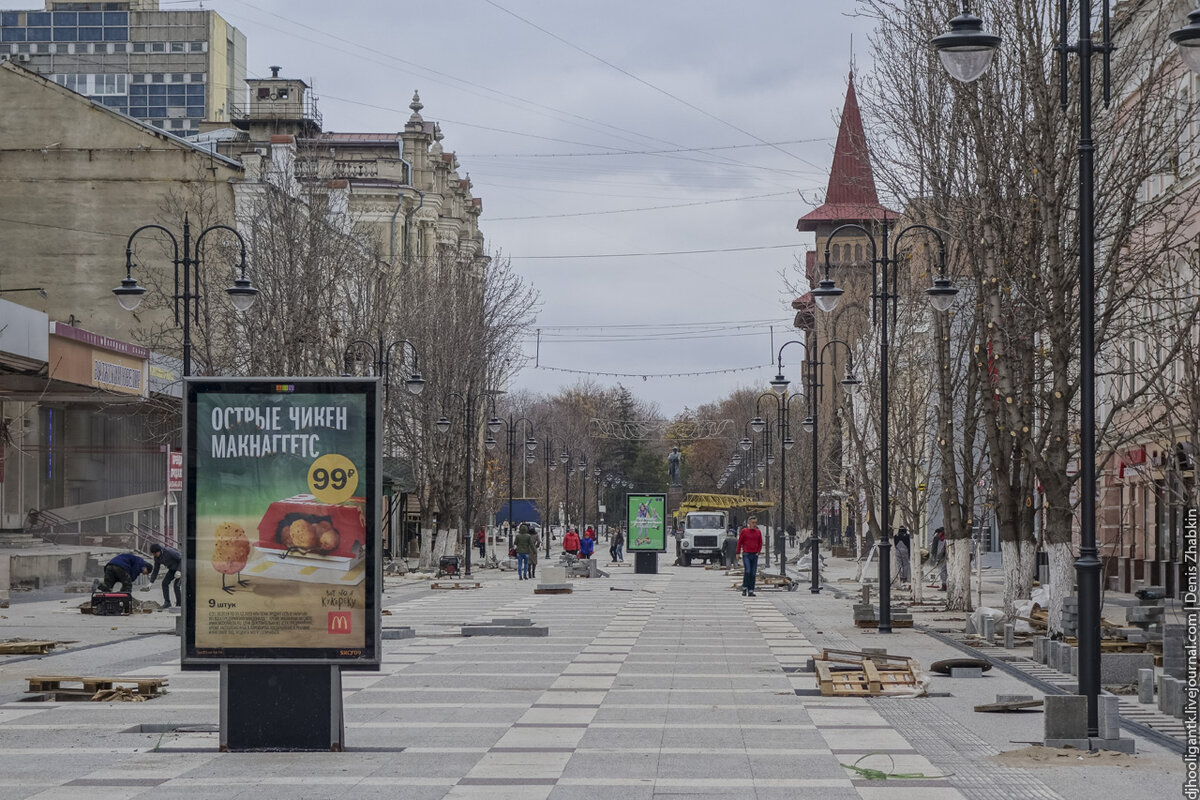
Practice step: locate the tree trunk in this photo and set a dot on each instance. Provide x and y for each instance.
(1013, 555)
(1062, 582)
(425, 558)
(914, 571)
(958, 574)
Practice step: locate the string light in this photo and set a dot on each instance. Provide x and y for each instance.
(648, 375)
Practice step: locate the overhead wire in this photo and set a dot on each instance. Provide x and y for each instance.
(646, 83)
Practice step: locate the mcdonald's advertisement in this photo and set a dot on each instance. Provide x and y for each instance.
(646, 520)
(282, 480)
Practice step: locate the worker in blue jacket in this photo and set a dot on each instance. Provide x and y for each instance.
(123, 570)
(170, 561)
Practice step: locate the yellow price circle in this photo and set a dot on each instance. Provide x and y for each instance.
(332, 479)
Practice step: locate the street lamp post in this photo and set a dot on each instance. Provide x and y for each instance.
(510, 429)
(766, 458)
(941, 295)
(443, 426)
(811, 426)
(582, 466)
(187, 281)
(548, 464)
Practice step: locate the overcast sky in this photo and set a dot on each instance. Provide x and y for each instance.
(643, 162)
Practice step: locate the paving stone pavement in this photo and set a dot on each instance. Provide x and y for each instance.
(674, 685)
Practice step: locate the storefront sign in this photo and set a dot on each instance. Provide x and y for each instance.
(646, 522)
(89, 359)
(282, 521)
(174, 471)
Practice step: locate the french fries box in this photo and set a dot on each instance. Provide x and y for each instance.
(347, 518)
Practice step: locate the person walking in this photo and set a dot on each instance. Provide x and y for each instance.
(481, 541)
(938, 553)
(533, 554)
(587, 545)
(571, 542)
(749, 544)
(524, 545)
(170, 561)
(903, 545)
(791, 533)
(123, 569)
(614, 546)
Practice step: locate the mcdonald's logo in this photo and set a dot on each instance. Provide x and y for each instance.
(339, 621)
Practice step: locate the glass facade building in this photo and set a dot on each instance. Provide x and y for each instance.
(168, 68)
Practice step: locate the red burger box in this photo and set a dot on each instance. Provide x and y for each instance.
(347, 518)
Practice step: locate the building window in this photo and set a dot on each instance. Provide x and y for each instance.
(178, 47)
(197, 47)
(38, 34)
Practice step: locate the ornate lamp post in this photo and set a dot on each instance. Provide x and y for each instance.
(468, 401)
(811, 425)
(381, 360)
(187, 281)
(941, 296)
(510, 428)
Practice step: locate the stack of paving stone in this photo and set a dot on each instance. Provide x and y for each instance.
(864, 615)
(901, 617)
(1070, 615)
(1145, 620)
(1175, 662)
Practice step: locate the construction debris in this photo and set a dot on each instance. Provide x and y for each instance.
(851, 673)
(94, 688)
(15, 647)
(455, 585)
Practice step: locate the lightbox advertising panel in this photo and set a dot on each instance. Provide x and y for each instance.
(282, 536)
(646, 522)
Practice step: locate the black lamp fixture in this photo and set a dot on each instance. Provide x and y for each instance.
(1187, 41)
(187, 281)
(966, 50)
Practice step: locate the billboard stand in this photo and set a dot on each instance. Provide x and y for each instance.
(646, 526)
(294, 707)
(645, 563)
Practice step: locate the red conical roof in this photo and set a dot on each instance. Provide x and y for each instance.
(851, 195)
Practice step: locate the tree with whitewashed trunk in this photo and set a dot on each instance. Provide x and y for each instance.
(997, 162)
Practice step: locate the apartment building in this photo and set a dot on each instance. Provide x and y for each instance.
(168, 68)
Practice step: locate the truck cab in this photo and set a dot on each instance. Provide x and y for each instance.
(703, 537)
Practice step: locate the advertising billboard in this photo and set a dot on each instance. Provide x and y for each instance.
(646, 523)
(282, 521)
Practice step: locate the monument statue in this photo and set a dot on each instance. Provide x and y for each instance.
(673, 466)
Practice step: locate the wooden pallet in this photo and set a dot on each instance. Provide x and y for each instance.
(26, 648)
(849, 673)
(455, 585)
(92, 688)
(874, 623)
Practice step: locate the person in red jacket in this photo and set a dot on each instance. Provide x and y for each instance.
(571, 542)
(749, 544)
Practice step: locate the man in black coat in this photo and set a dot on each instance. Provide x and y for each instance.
(171, 562)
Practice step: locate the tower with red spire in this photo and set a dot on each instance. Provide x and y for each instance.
(850, 197)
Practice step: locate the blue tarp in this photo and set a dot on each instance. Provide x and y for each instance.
(523, 510)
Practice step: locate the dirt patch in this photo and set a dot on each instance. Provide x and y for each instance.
(1035, 756)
